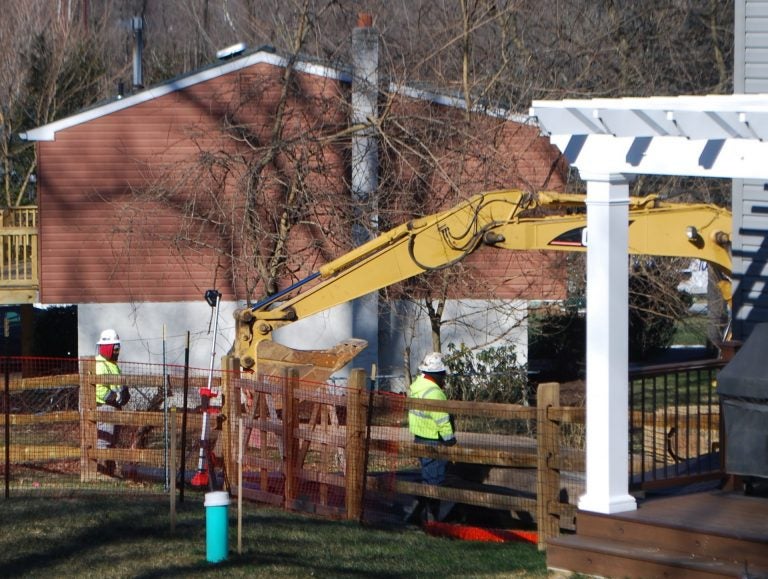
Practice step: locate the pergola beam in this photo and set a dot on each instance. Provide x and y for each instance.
(728, 158)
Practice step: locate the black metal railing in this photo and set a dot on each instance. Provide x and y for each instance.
(674, 422)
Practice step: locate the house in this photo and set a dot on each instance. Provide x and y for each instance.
(139, 211)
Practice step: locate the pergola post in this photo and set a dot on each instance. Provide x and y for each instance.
(607, 489)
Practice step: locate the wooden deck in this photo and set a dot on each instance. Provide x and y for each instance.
(706, 534)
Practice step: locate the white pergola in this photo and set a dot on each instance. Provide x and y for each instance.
(609, 141)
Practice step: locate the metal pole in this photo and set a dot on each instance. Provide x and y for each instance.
(172, 462)
(240, 486)
(184, 423)
(165, 417)
(205, 475)
(7, 404)
(215, 297)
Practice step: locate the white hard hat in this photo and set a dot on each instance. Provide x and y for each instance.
(109, 337)
(432, 363)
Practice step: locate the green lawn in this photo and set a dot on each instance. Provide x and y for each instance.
(104, 536)
(691, 331)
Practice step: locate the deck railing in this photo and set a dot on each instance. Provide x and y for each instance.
(19, 270)
(19, 216)
(675, 432)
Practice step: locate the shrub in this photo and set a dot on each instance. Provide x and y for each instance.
(489, 375)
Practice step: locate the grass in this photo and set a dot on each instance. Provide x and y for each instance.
(691, 331)
(118, 536)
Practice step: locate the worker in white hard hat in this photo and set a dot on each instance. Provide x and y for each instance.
(109, 397)
(430, 427)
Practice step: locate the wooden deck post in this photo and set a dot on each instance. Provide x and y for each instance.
(356, 425)
(88, 433)
(548, 464)
(290, 425)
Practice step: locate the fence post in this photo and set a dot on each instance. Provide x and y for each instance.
(88, 435)
(356, 426)
(290, 424)
(548, 464)
(231, 407)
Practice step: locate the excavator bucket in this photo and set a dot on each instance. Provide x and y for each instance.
(313, 365)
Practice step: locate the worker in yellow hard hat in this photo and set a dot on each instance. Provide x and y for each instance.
(430, 427)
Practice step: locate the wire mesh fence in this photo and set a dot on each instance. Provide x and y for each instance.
(503, 472)
(348, 452)
(45, 413)
(343, 452)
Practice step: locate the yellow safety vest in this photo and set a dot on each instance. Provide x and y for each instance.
(428, 423)
(104, 366)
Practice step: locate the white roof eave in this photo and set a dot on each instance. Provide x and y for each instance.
(48, 132)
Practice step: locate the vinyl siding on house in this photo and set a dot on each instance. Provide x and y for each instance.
(750, 198)
(102, 241)
(755, 46)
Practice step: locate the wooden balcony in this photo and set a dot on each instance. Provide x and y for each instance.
(19, 267)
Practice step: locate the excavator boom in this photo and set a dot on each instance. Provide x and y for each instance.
(506, 219)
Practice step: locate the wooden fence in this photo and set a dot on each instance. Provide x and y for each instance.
(78, 390)
(335, 451)
(314, 449)
(90, 416)
(300, 455)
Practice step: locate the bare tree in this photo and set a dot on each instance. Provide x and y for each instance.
(60, 63)
(260, 192)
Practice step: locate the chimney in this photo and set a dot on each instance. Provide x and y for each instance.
(365, 96)
(365, 170)
(364, 20)
(137, 23)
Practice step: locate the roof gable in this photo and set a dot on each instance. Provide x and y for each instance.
(48, 132)
(260, 56)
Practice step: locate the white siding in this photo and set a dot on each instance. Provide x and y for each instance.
(750, 255)
(750, 198)
(752, 51)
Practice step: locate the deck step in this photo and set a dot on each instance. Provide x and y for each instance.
(697, 536)
(675, 536)
(605, 557)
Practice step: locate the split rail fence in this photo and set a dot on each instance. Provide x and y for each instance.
(349, 453)
(341, 452)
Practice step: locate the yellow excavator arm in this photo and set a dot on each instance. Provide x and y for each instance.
(506, 219)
